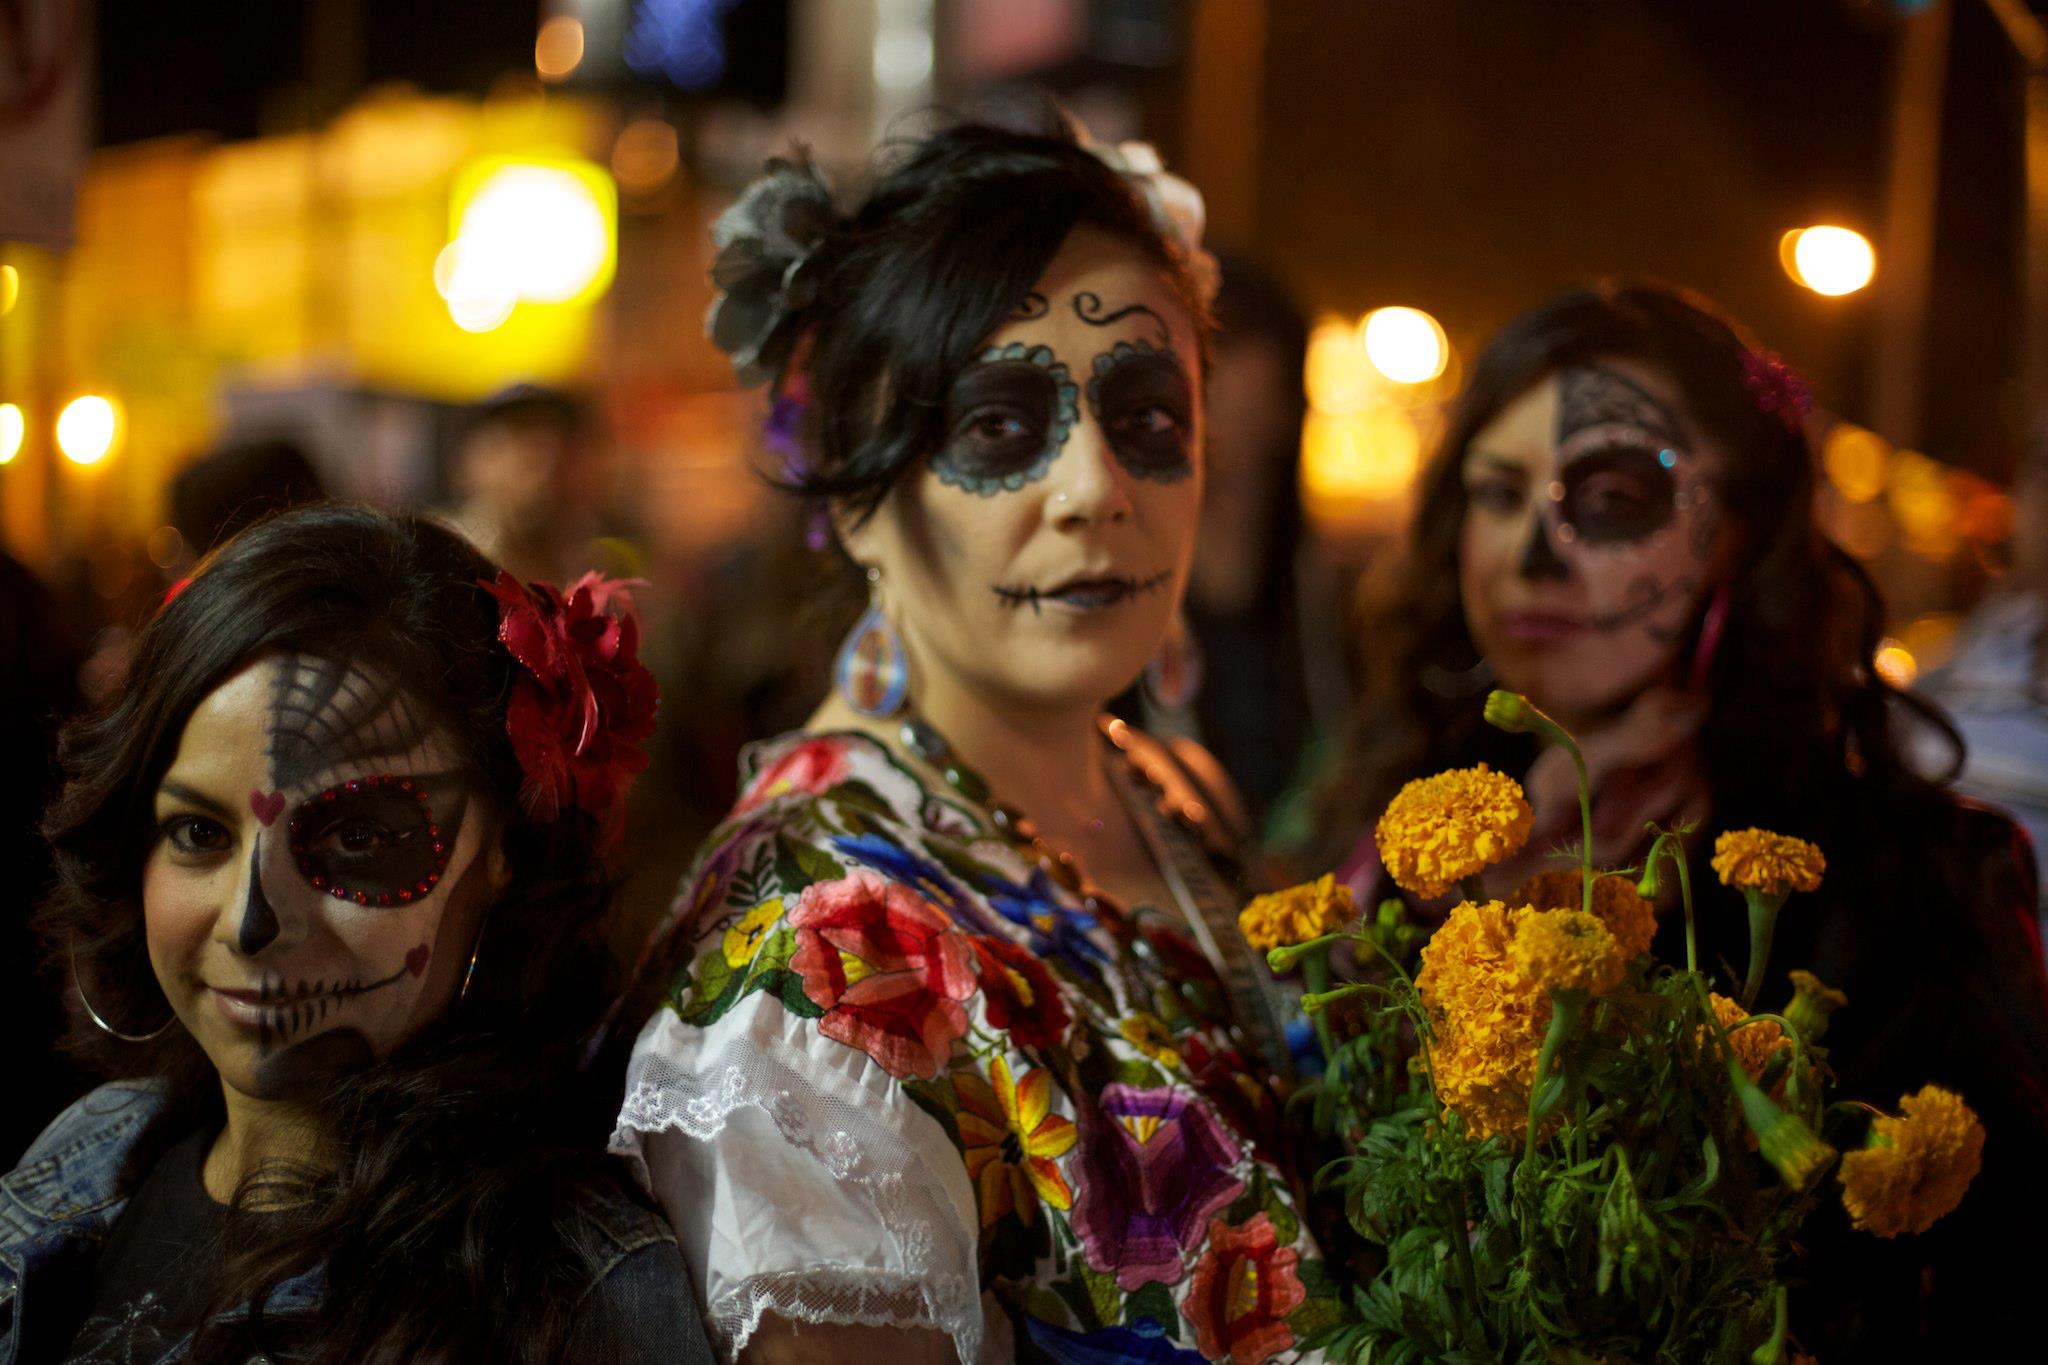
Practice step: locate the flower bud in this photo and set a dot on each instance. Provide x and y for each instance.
(1791, 1147)
(1510, 711)
(1812, 1002)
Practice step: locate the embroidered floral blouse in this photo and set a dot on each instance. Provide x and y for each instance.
(900, 1080)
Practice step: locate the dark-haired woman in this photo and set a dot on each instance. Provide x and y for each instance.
(330, 893)
(960, 1054)
(1621, 526)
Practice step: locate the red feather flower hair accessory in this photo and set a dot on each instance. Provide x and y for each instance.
(584, 704)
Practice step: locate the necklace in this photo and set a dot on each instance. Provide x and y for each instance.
(1176, 836)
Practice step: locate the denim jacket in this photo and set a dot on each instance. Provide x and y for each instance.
(60, 1204)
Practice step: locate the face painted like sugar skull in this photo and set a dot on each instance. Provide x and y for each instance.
(321, 869)
(1592, 536)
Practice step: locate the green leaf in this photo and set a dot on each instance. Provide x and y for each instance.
(790, 987)
(1155, 1301)
(1076, 1296)
(1103, 1294)
(718, 985)
(1285, 1225)
(854, 792)
(1046, 1306)
(776, 952)
(798, 865)
(1135, 1072)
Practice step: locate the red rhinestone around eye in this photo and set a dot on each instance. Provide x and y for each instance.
(340, 893)
(362, 898)
(405, 897)
(319, 882)
(327, 796)
(384, 899)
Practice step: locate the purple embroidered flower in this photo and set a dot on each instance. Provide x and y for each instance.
(1155, 1167)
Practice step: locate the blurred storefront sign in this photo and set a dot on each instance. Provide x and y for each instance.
(44, 54)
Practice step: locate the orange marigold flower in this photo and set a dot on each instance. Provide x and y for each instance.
(1488, 1022)
(1753, 1044)
(1771, 863)
(1917, 1166)
(1566, 950)
(1628, 916)
(1439, 830)
(1297, 914)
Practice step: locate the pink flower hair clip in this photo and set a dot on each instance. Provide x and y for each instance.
(1778, 388)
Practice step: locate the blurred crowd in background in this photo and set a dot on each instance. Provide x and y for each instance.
(453, 256)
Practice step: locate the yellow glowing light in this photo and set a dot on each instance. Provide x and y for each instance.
(558, 48)
(1922, 500)
(1828, 260)
(1895, 663)
(13, 428)
(1855, 459)
(87, 429)
(644, 155)
(1405, 344)
(1337, 375)
(1359, 457)
(10, 289)
(527, 231)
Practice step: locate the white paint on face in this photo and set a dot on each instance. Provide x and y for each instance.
(1053, 593)
(280, 981)
(1592, 536)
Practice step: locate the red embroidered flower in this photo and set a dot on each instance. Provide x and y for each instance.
(1243, 1289)
(809, 767)
(887, 968)
(578, 716)
(1021, 995)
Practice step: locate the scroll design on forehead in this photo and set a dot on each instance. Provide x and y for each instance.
(1088, 306)
(1034, 307)
(326, 715)
(1590, 396)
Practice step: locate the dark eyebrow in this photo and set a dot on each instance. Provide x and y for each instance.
(179, 791)
(1504, 462)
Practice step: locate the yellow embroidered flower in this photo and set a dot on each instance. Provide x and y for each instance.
(1813, 1000)
(1488, 1023)
(1010, 1139)
(1771, 863)
(1917, 1165)
(1297, 914)
(1628, 916)
(744, 938)
(1148, 1033)
(1566, 950)
(1439, 830)
(1753, 1044)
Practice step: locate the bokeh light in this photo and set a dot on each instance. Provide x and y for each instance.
(644, 155)
(13, 429)
(1895, 663)
(1923, 502)
(87, 429)
(1349, 458)
(10, 289)
(1406, 345)
(558, 48)
(1337, 374)
(1855, 459)
(1828, 260)
(527, 231)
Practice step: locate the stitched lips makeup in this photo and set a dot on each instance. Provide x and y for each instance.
(1083, 594)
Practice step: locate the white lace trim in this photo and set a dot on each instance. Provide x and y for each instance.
(672, 1087)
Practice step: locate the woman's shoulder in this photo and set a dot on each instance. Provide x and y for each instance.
(112, 1114)
(1190, 779)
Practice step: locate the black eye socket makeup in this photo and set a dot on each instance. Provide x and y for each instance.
(1618, 494)
(371, 840)
(1141, 396)
(1007, 419)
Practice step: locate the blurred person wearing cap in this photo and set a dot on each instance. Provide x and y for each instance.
(523, 483)
(237, 483)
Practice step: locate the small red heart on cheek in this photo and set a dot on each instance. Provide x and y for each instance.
(266, 806)
(416, 960)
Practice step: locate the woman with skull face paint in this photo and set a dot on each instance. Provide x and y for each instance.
(1621, 526)
(331, 900)
(961, 1051)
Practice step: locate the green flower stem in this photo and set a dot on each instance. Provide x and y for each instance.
(1692, 951)
(1763, 923)
(1516, 714)
(1468, 1277)
(1565, 1008)
(1315, 973)
(1773, 1351)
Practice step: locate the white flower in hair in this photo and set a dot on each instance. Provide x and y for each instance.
(1175, 205)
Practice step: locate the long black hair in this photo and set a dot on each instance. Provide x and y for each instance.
(1793, 698)
(444, 1228)
(941, 253)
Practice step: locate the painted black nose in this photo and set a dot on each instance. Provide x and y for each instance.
(259, 922)
(1539, 559)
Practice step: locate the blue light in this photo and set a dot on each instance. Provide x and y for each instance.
(1666, 458)
(680, 39)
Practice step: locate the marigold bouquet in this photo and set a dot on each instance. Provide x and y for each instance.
(1559, 1148)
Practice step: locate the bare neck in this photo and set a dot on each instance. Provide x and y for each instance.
(258, 1132)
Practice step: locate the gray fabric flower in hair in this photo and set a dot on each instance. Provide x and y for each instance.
(768, 265)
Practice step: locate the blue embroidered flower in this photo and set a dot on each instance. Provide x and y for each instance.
(1056, 930)
(1142, 1343)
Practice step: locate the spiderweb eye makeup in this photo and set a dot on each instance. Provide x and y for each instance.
(1141, 397)
(1007, 419)
(371, 840)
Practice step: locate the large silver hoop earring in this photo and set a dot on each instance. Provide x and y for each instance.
(469, 972)
(79, 988)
